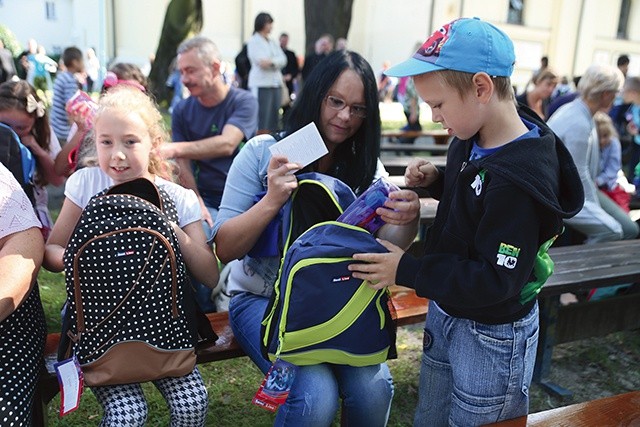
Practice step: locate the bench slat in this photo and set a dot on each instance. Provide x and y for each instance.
(440, 136)
(620, 410)
(414, 148)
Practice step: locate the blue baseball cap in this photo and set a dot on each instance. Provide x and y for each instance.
(466, 44)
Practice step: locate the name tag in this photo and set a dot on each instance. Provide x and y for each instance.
(71, 383)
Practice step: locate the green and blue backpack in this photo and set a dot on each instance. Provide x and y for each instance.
(318, 312)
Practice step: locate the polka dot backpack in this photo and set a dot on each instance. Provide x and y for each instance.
(130, 313)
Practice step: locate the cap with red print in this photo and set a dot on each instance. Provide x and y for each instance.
(466, 44)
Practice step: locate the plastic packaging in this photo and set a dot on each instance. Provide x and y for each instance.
(362, 212)
(82, 105)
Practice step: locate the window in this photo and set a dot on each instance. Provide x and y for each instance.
(515, 12)
(623, 20)
(50, 8)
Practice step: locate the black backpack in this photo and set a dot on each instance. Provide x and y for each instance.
(131, 316)
(18, 159)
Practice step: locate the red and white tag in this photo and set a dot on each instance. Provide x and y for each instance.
(276, 385)
(71, 383)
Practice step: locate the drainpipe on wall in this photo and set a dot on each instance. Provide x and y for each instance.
(243, 11)
(430, 30)
(575, 50)
(114, 37)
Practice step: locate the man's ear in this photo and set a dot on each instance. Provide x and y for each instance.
(215, 65)
(483, 87)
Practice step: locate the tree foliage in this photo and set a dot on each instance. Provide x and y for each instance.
(182, 20)
(328, 16)
(10, 41)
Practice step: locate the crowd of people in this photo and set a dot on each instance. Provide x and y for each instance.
(516, 173)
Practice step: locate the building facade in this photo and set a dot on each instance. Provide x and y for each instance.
(572, 33)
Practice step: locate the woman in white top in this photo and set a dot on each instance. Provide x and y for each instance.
(265, 77)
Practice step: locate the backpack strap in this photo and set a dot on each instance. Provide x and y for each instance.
(18, 159)
(147, 190)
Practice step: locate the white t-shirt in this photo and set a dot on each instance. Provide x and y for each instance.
(87, 182)
(16, 211)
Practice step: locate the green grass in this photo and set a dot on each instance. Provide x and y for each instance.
(592, 368)
(231, 383)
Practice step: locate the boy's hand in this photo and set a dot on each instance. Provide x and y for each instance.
(402, 208)
(420, 173)
(380, 269)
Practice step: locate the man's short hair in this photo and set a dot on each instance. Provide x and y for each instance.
(71, 54)
(623, 60)
(463, 83)
(207, 50)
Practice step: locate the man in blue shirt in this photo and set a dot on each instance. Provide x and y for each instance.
(207, 129)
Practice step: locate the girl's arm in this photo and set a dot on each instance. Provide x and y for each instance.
(44, 161)
(198, 256)
(20, 260)
(59, 237)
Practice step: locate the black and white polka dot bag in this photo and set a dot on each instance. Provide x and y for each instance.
(130, 311)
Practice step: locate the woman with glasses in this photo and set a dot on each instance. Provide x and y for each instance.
(340, 97)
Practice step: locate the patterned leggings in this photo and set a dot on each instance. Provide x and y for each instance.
(125, 405)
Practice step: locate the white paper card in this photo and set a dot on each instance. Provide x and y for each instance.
(71, 384)
(304, 146)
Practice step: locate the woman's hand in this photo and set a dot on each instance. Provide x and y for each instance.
(281, 181)
(420, 173)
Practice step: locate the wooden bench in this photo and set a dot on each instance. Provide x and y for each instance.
(409, 309)
(620, 410)
(440, 136)
(578, 269)
(396, 165)
(414, 148)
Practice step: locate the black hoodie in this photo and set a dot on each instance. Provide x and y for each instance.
(485, 254)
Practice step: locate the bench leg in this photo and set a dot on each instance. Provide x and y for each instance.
(548, 320)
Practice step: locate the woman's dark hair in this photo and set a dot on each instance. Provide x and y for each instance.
(262, 19)
(355, 160)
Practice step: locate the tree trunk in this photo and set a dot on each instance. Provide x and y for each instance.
(182, 20)
(326, 17)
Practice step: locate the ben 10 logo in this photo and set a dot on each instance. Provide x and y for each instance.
(508, 256)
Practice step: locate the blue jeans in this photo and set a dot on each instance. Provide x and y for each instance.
(474, 374)
(366, 392)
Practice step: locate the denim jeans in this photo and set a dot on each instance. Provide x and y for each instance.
(366, 392)
(472, 373)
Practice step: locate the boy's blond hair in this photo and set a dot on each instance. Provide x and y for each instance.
(463, 83)
(124, 100)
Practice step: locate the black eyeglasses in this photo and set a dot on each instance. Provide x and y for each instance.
(359, 111)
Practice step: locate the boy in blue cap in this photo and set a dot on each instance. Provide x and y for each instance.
(508, 184)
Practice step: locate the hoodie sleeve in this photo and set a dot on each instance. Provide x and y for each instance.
(435, 190)
(491, 268)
